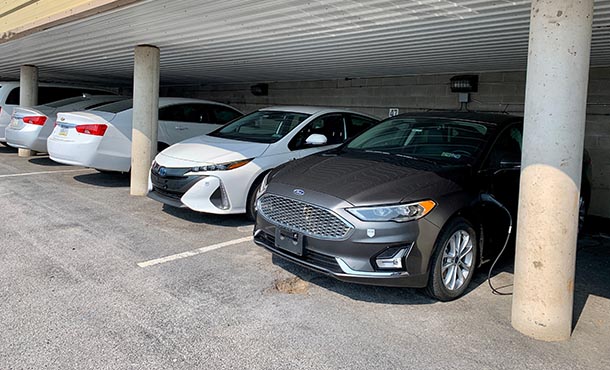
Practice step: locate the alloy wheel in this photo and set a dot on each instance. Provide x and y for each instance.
(457, 260)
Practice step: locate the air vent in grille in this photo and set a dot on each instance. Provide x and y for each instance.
(303, 217)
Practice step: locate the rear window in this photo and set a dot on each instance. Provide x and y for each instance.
(59, 103)
(48, 94)
(116, 107)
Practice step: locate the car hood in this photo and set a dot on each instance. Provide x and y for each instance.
(370, 179)
(206, 149)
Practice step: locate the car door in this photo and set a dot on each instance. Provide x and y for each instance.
(184, 121)
(332, 126)
(503, 167)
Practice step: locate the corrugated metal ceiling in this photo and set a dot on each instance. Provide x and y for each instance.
(257, 40)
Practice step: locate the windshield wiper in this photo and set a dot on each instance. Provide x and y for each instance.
(417, 158)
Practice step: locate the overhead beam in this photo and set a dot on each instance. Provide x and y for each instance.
(24, 17)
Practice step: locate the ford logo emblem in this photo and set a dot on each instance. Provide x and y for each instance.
(299, 192)
(162, 171)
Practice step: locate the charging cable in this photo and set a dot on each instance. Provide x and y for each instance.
(489, 198)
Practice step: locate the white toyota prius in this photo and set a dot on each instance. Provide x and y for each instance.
(221, 172)
(101, 138)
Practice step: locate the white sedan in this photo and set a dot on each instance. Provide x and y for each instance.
(221, 172)
(29, 128)
(101, 138)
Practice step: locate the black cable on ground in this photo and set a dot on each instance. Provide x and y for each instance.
(491, 199)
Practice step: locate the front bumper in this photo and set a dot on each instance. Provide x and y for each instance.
(201, 193)
(354, 258)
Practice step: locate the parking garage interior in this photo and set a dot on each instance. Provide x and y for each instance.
(373, 57)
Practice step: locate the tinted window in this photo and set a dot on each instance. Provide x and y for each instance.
(507, 147)
(13, 97)
(357, 124)
(48, 94)
(440, 139)
(60, 103)
(195, 113)
(222, 115)
(331, 126)
(117, 107)
(261, 126)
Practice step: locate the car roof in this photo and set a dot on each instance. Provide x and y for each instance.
(172, 100)
(496, 119)
(308, 109)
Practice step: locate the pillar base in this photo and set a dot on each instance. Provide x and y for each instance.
(26, 153)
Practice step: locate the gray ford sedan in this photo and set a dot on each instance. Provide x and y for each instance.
(420, 200)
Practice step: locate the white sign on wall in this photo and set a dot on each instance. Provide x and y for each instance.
(393, 112)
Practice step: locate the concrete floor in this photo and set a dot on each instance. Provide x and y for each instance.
(72, 295)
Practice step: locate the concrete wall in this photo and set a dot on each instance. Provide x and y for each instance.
(498, 92)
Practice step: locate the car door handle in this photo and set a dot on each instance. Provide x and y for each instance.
(181, 128)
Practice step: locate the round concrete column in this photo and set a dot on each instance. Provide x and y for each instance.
(28, 95)
(145, 116)
(555, 109)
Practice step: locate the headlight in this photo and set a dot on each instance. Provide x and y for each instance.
(222, 167)
(396, 213)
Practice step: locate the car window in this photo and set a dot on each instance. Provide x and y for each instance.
(263, 126)
(358, 124)
(13, 97)
(332, 126)
(61, 103)
(48, 94)
(195, 113)
(507, 147)
(222, 115)
(117, 106)
(442, 139)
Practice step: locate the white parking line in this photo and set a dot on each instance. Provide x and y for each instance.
(44, 172)
(194, 252)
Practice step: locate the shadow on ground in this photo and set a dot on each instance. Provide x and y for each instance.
(46, 161)
(207, 218)
(7, 149)
(592, 277)
(106, 179)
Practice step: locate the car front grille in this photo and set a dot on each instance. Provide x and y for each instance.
(175, 182)
(304, 218)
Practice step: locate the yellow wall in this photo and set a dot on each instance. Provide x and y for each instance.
(22, 17)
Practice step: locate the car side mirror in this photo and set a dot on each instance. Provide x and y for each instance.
(316, 139)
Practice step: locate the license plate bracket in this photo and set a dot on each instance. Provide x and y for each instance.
(289, 241)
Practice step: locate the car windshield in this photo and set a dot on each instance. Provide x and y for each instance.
(436, 139)
(261, 126)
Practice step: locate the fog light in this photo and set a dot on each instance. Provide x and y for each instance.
(391, 258)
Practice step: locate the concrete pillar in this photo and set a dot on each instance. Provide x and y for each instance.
(145, 116)
(28, 95)
(555, 109)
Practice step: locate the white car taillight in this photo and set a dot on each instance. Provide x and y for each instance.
(35, 120)
(96, 129)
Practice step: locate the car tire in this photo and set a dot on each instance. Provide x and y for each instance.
(452, 265)
(252, 196)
